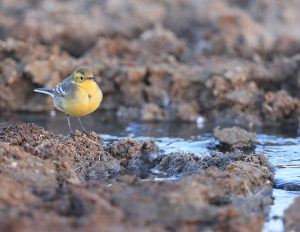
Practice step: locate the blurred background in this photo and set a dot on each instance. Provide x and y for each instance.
(166, 60)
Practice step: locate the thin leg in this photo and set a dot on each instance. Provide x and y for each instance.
(82, 127)
(69, 124)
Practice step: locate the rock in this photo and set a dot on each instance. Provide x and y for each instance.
(235, 137)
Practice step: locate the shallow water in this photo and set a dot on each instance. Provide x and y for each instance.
(284, 154)
(280, 145)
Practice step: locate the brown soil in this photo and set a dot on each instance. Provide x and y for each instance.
(54, 183)
(229, 61)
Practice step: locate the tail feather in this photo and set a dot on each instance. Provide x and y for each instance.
(45, 91)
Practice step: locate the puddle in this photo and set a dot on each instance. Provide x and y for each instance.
(283, 153)
(281, 148)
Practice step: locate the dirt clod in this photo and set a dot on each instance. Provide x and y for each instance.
(235, 138)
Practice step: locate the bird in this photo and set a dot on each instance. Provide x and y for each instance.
(77, 95)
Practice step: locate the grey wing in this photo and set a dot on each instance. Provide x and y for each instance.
(59, 90)
(63, 89)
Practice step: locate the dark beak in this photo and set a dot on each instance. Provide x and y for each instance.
(91, 78)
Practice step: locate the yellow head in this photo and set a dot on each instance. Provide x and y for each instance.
(82, 74)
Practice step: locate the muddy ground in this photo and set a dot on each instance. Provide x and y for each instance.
(53, 182)
(228, 61)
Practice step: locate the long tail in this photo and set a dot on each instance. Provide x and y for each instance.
(45, 91)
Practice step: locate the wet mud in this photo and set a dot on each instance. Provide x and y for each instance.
(229, 61)
(53, 182)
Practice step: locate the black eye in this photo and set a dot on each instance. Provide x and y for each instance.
(81, 78)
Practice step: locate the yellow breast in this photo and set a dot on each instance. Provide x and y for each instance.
(85, 100)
